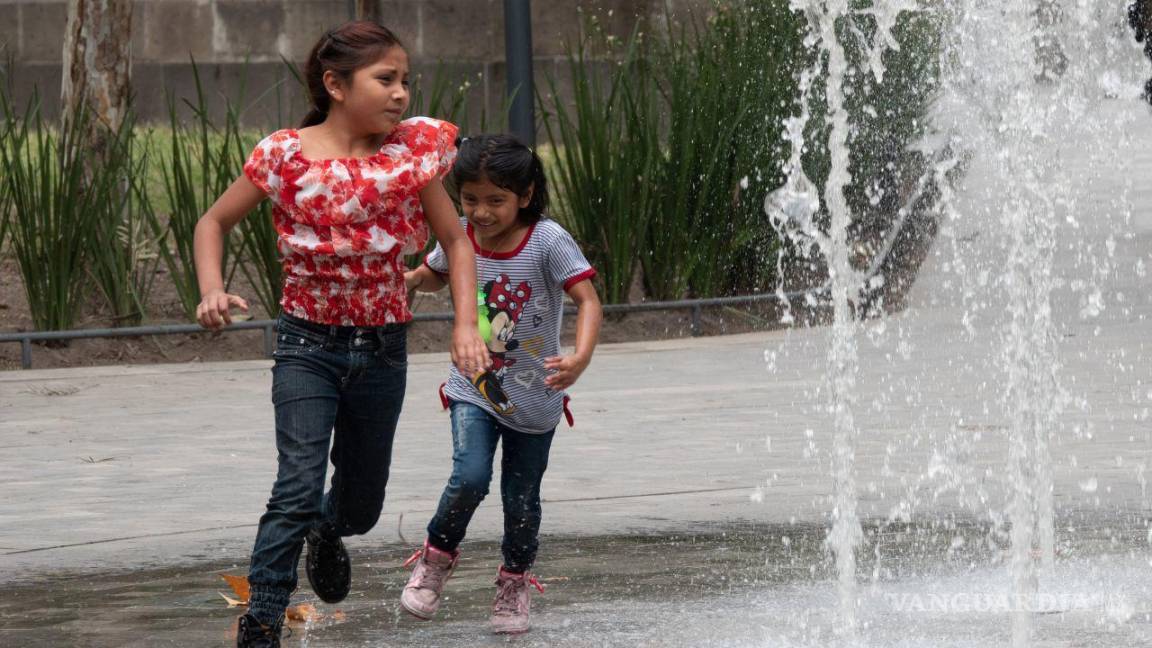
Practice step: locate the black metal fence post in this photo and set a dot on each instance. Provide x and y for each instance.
(518, 57)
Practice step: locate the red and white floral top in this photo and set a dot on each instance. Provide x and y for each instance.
(345, 224)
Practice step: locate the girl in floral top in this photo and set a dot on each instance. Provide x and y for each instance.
(354, 189)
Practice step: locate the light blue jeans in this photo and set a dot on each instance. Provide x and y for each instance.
(475, 434)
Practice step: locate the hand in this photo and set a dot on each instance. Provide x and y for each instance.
(469, 353)
(212, 313)
(567, 369)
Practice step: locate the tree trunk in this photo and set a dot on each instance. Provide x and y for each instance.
(97, 68)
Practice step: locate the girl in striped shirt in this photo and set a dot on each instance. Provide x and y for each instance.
(525, 264)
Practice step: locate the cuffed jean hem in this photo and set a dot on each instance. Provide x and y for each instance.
(268, 602)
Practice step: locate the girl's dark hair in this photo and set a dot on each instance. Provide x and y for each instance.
(506, 162)
(343, 50)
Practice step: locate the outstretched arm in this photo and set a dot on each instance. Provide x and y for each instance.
(237, 201)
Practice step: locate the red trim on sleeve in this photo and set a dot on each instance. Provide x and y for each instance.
(573, 280)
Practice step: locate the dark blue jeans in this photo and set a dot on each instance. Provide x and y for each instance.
(331, 385)
(475, 433)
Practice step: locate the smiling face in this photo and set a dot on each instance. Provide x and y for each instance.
(493, 211)
(375, 98)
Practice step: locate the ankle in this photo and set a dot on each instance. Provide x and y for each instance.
(267, 603)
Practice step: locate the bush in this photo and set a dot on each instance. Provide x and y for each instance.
(54, 206)
(672, 143)
(606, 148)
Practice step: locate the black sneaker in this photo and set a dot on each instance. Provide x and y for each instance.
(250, 633)
(328, 567)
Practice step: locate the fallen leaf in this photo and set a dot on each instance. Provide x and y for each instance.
(231, 601)
(303, 612)
(239, 585)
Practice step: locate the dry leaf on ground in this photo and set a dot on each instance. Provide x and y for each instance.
(239, 585)
(231, 601)
(303, 612)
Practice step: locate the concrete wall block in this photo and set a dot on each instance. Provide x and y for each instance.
(468, 30)
(467, 78)
(250, 28)
(43, 25)
(306, 20)
(32, 79)
(171, 32)
(403, 18)
(10, 20)
(282, 100)
(150, 106)
(554, 25)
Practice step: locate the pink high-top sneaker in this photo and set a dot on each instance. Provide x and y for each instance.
(513, 604)
(421, 596)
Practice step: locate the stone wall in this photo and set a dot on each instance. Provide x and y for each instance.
(241, 44)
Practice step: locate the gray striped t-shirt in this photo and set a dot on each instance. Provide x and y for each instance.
(520, 299)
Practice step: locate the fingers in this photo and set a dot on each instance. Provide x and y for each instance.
(213, 311)
(559, 381)
(222, 308)
(202, 317)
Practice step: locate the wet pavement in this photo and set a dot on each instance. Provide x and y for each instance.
(744, 585)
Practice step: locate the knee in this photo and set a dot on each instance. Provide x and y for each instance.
(472, 484)
(296, 501)
(361, 521)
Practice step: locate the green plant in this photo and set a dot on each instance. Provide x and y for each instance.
(727, 83)
(887, 117)
(54, 208)
(605, 148)
(5, 192)
(199, 166)
(122, 249)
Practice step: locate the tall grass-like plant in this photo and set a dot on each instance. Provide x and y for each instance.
(727, 83)
(54, 207)
(605, 145)
(891, 116)
(436, 97)
(122, 256)
(6, 127)
(198, 167)
(887, 118)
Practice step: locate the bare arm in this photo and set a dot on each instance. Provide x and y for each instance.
(237, 201)
(468, 351)
(424, 279)
(568, 368)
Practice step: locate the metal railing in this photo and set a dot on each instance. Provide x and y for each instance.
(696, 306)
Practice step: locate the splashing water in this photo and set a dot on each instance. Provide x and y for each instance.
(1016, 74)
